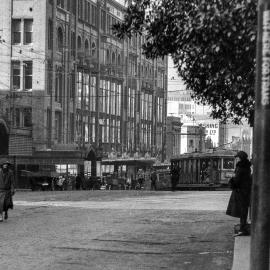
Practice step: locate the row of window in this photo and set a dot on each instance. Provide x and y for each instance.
(85, 129)
(110, 97)
(146, 134)
(86, 92)
(146, 106)
(87, 12)
(181, 98)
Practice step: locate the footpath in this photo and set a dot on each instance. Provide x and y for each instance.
(241, 253)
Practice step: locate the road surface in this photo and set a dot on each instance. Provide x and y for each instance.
(118, 230)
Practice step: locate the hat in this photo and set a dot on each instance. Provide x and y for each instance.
(242, 155)
(6, 162)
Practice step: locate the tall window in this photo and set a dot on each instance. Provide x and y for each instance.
(86, 14)
(89, 12)
(59, 85)
(94, 15)
(28, 31)
(50, 34)
(94, 49)
(79, 90)
(72, 133)
(16, 31)
(68, 5)
(79, 42)
(86, 46)
(27, 117)
(23, 117)
(16, 75)
(93, 129)
(58, 130)
(93, 94)
(28, 74)
(86, 91)
(60, 39)
(80, 9)
(103, 20)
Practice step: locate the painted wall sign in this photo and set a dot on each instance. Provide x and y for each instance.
(265, 78)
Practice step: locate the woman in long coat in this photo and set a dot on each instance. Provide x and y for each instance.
(241, 194)
(6, 190)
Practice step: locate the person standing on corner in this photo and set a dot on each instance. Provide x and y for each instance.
(6, 190)
(241, 185)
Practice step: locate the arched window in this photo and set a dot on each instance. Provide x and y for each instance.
(94, 49)
(86, 45)
(119, 60)
(79, 42)
(60, 39)
(113, 58)
(108, 56)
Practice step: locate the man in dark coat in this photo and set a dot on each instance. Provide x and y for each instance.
(174, 177)
(6, 190)
(241, 186)
(153, 180)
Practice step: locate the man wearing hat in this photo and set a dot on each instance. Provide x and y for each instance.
(6, 190)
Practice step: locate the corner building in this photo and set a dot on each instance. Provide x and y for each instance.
(71, 92)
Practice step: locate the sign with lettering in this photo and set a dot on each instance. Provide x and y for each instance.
(265, 87)
(212, 132)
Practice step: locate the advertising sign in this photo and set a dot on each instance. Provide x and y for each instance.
(212, 132)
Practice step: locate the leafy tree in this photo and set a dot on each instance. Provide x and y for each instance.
(212, 43)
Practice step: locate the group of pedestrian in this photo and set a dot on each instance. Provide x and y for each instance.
(7, 190)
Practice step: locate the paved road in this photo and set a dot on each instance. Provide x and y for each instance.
(121, 230)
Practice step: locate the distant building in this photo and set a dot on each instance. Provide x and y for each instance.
(72, 93)
(173, 137)
(180, 104)
(192, 138)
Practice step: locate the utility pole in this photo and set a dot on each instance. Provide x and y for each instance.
(260, 222)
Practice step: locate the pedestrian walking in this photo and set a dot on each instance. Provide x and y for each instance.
(241, 192)
(153, 180)
(7, 190)
(140, 178)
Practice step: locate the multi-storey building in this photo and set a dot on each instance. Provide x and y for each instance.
(70, 91)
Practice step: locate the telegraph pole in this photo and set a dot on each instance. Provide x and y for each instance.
(260, 225)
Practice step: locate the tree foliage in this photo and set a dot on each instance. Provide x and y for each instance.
(212, 43)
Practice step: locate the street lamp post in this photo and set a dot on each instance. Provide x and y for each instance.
(260, 222)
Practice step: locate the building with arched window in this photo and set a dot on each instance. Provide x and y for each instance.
(70, 87)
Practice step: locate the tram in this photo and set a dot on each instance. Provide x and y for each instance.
(163, 175)
(213, 168)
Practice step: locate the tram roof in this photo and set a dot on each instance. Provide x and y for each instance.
(129, 161)
(212, 154)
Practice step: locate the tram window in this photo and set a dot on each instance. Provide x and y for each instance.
(228, 163)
